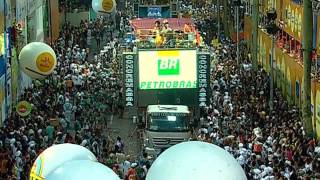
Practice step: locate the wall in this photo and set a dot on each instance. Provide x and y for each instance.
(74, 18)
(55, 22)
(288, 75)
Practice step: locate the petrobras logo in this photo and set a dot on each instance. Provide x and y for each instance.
(168, 67)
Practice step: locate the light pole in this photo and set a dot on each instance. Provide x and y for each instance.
(5, 55)
(316, 12)
(50, 21)
(238, 41)
(255, 18)
(237, 4)
(218, 4)
(307, 54)
(272, 29)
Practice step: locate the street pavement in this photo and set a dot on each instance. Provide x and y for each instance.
(126, 129)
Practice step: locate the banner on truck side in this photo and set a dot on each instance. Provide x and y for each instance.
(129, 78)
(204, 79)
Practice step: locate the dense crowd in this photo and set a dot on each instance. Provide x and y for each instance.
(74, 104)
(267, 144)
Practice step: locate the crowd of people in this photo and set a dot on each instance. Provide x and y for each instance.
(74, 105)
(268, 144)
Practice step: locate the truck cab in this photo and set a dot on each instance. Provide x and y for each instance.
(165, 126)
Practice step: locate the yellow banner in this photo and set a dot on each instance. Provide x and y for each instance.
(1, 44)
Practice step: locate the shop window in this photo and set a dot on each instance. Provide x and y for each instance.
(247, 5)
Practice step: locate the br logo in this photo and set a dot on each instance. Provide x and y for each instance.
(168, 67)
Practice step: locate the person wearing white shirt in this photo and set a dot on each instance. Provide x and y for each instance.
(125, 166)
(19, 164)
(74, 78)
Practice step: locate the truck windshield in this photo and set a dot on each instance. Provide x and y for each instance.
(169, 123)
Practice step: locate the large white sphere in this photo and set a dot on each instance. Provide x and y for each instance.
(83, 170)
(37, 60)
(195, 161)
(57, 155)
(104, 6)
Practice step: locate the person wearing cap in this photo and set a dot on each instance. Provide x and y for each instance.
(165, 29)
(18, 165)
(210, 128)
(132, 173)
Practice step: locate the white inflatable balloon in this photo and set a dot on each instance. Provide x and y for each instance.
(57, 155)
(195, 161)
(37, 60)
(104, 6)
(83, 170)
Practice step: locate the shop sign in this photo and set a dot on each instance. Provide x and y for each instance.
(203, 79)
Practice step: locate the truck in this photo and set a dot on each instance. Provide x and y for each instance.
(165, 126)
(164, 86)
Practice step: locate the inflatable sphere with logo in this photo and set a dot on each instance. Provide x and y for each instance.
(83, 170)
(23, 108)
(69, 162)
(104, 6)
(37, 60)
(195, 161)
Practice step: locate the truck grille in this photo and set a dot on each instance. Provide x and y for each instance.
(166, 142)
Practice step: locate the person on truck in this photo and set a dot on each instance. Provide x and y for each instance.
(157, 31)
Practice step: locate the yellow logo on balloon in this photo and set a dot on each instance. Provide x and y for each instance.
(107, 5)
(45, 62)
(37, 169)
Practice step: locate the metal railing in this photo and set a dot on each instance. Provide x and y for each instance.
(148, 38)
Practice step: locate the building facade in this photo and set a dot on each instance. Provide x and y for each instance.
(22, 22)
(288, 60)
